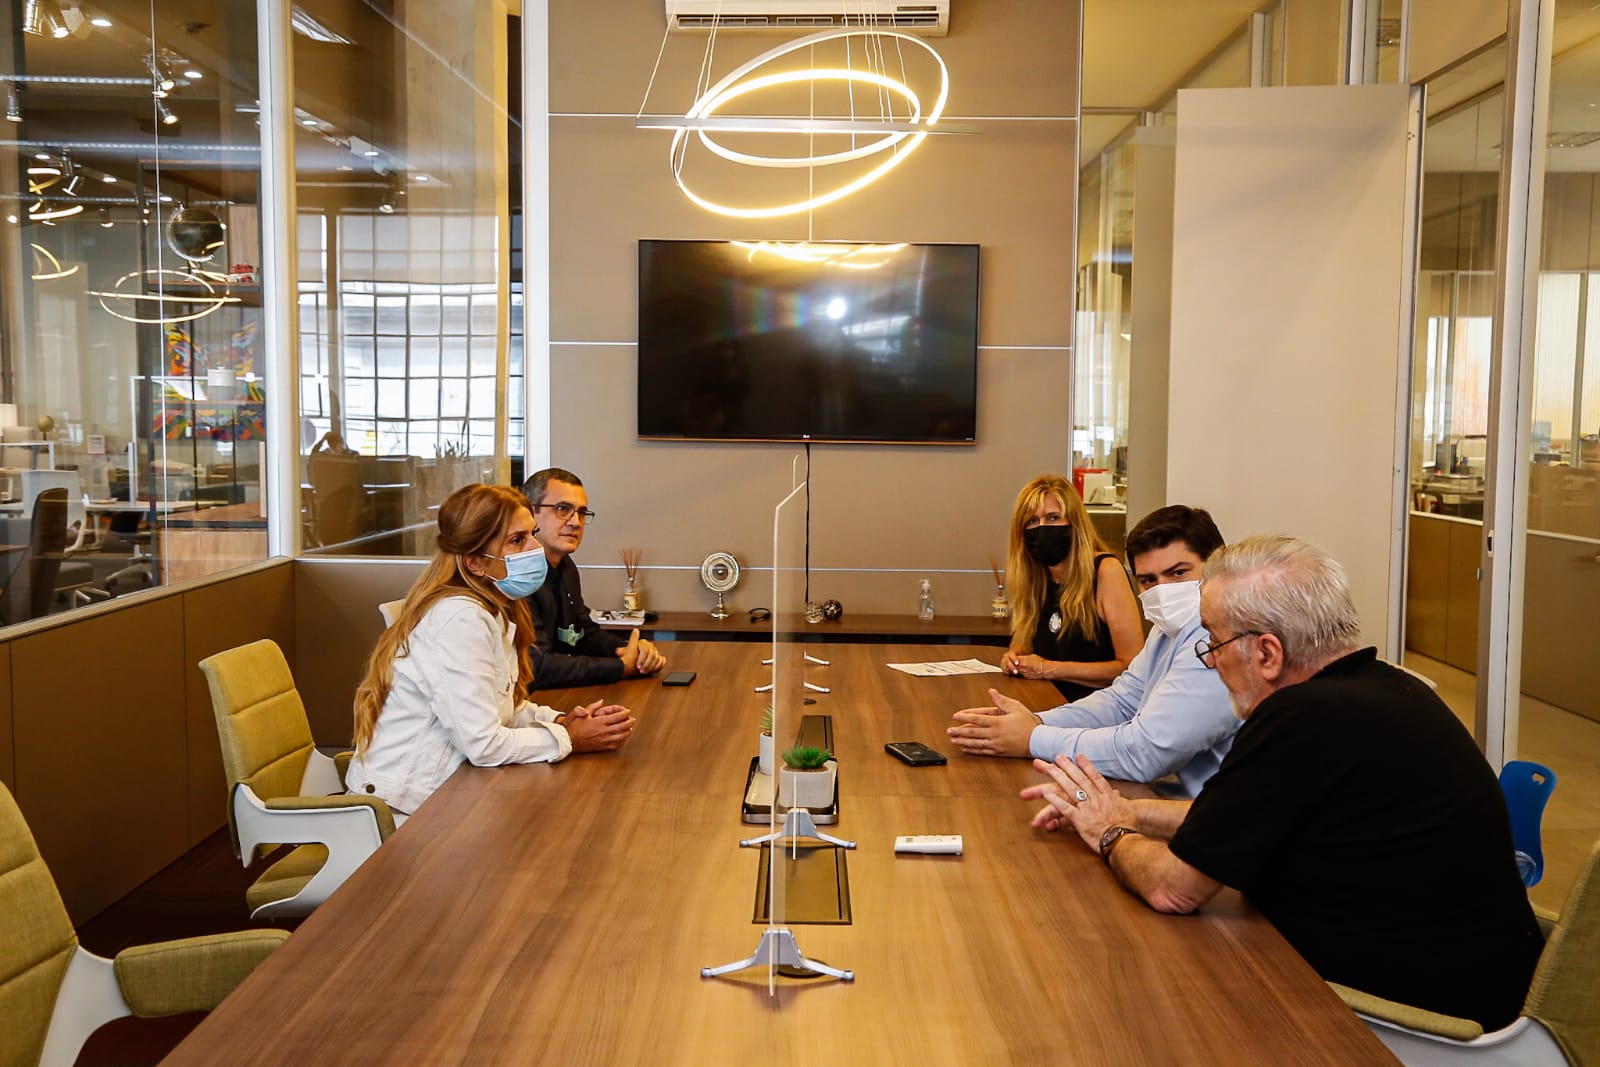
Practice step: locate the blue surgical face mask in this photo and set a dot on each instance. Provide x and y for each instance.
(525, 572)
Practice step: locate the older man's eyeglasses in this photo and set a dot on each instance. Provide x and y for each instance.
(565, 511)
(1206, 651)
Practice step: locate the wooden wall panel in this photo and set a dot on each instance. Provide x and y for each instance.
(218, 617)
(1427, 570)
(1560, 597)
(101, 748)
(1462, 591)
(8, 770)
(336, 623)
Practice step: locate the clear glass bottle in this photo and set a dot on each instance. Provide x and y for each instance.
(925, 605)
(1000, 607)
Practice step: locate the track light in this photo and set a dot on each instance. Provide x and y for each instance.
(13, 106)
(105, 219)
(161, 81)
(165, 113)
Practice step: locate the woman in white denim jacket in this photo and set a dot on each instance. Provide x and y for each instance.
(448, 681)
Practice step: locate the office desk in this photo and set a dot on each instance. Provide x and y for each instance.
(561, 914)
(205, 540)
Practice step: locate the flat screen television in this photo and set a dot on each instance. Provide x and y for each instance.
(760, 341)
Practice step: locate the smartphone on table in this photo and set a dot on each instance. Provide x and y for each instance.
(915, 753)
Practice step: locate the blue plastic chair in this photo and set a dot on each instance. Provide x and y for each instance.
(1527, 786)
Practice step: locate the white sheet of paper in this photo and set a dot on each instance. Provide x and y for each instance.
(947, 668)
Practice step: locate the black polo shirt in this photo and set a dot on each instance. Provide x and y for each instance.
(1358, 814)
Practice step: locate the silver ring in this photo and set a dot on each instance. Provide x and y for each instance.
(1080, 796)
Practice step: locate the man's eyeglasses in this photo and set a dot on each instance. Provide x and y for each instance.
(1206, 652)
(565, 511)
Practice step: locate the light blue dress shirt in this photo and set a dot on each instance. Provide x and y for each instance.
(1167, 713)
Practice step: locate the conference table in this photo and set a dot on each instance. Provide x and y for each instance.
(561, 913)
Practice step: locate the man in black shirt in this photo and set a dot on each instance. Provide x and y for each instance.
(1354, 809)
(571, 648)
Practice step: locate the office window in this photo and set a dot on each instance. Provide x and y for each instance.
(408, 315)
(132, 377)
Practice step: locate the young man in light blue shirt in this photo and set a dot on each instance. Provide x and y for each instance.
(1166, 714)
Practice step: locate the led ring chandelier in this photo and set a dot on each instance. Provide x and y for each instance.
(899, 138)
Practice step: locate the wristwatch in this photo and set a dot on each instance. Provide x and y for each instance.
(1109, 839)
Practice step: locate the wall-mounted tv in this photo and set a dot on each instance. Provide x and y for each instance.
(762, 341)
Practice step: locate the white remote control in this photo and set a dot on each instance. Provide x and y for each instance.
(937, 844)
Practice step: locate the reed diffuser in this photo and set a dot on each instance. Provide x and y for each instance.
(631, 600)
(999, 607)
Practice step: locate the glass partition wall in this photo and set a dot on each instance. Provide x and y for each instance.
(403, 183)
(132, 385)
(1558, 713)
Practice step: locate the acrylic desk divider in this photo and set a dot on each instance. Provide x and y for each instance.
(777, 949)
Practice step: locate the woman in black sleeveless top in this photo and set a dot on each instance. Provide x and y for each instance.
(1074, 619)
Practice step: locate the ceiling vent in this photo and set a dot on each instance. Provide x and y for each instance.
(931, 19)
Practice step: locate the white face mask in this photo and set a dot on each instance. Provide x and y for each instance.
(1171, 606)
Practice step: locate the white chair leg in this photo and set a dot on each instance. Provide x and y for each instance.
(89, 998)
(1524, 1043)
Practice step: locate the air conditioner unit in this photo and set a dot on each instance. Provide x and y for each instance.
(930, 18)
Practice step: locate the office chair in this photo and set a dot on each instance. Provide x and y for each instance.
(44, 569)
(1527, 786)
(279, 785)
(343, 511)
(56, 993)
(1558, 1024)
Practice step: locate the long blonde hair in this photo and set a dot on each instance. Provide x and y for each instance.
(1027, 580)
(471, 521)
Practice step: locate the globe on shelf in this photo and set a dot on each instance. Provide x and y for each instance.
(45, 424)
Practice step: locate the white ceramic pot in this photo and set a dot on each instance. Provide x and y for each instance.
(765, 765)
(807, 789)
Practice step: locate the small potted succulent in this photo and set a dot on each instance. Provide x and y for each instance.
(765, 766)
(807, 779)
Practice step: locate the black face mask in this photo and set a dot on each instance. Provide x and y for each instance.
(1048, 545)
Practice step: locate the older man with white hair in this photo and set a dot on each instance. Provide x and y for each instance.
(1354, 809)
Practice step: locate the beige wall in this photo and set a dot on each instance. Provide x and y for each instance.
(336, 624)
(887, 516)
(1288, 266)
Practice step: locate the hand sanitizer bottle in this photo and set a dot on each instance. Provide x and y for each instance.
(925, 605)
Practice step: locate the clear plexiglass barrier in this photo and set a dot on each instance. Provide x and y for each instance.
(797, 805)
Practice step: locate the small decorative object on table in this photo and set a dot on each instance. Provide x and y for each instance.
(832, 610)
(807, 778)
(813, 611)
(765, 752)
(999, 607)
(632, 600)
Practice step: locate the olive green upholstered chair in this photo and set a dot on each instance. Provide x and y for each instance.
(54, 993)
(1560, 1021)
(282, 791)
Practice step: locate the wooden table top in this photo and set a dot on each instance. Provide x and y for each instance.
(561, 914)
